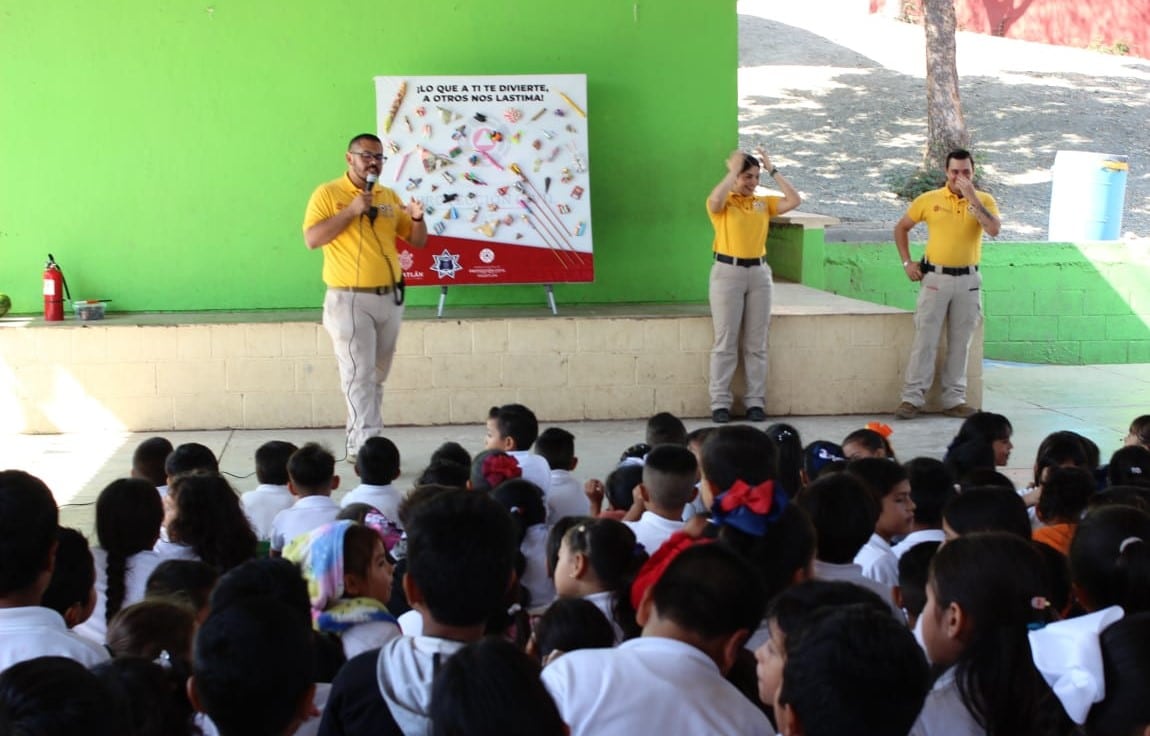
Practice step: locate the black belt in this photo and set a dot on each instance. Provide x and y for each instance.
(949, 271)
(744, 262)
(364, 289)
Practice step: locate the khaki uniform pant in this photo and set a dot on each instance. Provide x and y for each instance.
(740, 297)
(957, 302)
(364, 329)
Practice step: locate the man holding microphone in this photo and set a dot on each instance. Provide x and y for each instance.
(356, 224)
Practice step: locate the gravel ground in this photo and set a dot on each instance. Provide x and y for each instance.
(838, 99)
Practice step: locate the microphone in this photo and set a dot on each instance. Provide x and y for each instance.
(370, 180)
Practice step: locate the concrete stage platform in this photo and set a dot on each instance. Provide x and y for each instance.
(275, 369)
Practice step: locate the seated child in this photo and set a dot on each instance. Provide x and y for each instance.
(377, 466)
(1139, 433)
(985, 509)
(851, 670)
(28, 523)
(1110, 559)
(271, 496)
(1129, 466)
(984, 593)
(461, 553)
(789, 612)
(206, 523)
(569, 624)
(557, 447)
(665, 428)
(148, 463)
(253, 669)
(490, 688)
(913, 566)
(696, 618)
(153, 630)
(72, 592)
(524, 501)
(669, 476)
(619, 490)
(513, 429)
(931, 487)
(128, 518)
(272, 577)
(56, 696)
(821, 457)
(1065, 494)
(155, 695)
(790, 456)
(490, 468)
(844, 514)
(348, 575)
(190, 457)
(753, 514)
(188, 583)
(868, 442)
(598, 561)
(888, 485)
(311, 478)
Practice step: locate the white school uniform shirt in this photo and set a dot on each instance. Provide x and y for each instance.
(385, 499)
(304, 515)
(366, 636)
(910, 540)
(136, 571)
(605, 601)
(566, 497)
(651, 530)
(943, 713)
(534, 468)
(262, 504)
(852, 573)
(682, 692)
(878, 561)
(534, 549)
(27, 632)
(166, 549)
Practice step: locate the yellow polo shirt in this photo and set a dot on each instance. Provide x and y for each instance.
(741, 228)
(361, 254)
(955, 235)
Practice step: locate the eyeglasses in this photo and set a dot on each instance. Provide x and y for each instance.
(365, 156)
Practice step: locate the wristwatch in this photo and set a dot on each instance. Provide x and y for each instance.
(774, 170)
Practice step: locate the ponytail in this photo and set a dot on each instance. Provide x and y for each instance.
(128, 517)
(615, 558)
(1110, 558)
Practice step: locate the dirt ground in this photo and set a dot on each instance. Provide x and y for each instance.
(838, 99)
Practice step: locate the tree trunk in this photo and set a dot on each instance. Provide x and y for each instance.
(946, 129)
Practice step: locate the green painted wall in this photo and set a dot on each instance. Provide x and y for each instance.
(164, 151)
(1059, 303)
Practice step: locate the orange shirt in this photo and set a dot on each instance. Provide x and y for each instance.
(1057, 536)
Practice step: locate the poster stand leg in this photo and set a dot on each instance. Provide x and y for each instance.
(551, 299)
(442, 299)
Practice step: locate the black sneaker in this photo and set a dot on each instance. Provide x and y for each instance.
(721, 416)
(756, 414)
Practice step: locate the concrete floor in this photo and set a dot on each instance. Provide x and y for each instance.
(1098, 401)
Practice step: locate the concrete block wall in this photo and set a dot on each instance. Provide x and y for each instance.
(1060, 303)
(118, 375)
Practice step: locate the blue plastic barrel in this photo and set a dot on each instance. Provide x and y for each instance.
(1087, 197)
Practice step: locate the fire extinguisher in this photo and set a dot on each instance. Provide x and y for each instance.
(55, 287)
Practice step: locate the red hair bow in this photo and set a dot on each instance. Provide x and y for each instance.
(498, 467)
(756, 498)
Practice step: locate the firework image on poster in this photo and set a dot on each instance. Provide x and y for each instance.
(500, 164)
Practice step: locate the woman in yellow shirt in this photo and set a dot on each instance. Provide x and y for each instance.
(740, 287)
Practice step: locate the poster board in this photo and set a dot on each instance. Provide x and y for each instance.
(501, 166)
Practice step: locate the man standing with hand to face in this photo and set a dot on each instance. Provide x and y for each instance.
(956, 216)
(356, 224)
